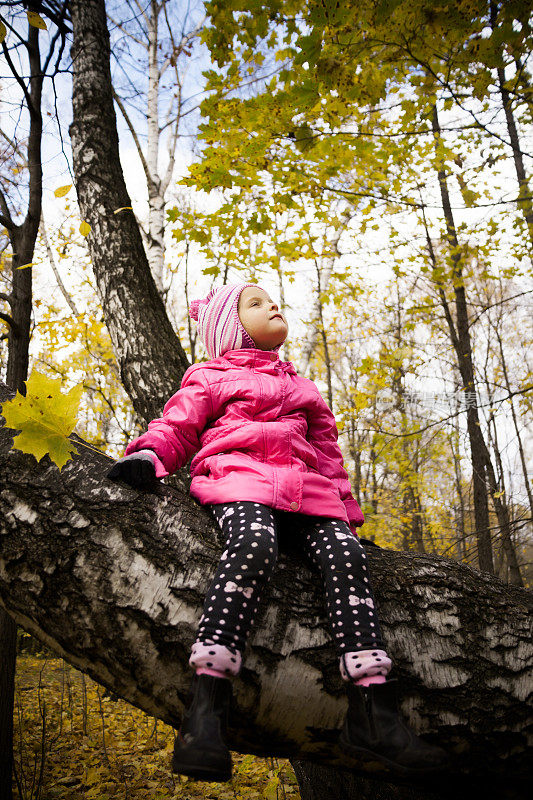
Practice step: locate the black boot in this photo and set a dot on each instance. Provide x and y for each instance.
(374, 731)
(200, 750)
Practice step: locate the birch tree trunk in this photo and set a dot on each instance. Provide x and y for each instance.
(152, 20)
(113, 580)
(135, 316)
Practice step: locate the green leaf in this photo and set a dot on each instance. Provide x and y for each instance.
(310, 48)
(45, 418)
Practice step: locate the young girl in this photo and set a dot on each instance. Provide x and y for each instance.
(266, 452)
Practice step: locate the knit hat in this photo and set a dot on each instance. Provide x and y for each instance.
(219, 326)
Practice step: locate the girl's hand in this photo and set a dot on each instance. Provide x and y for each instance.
(137, 470)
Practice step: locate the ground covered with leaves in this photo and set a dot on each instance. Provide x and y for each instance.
(73, 740)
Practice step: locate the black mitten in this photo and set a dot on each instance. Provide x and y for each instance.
(138, 470)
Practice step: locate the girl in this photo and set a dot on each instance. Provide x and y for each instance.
(267, 453)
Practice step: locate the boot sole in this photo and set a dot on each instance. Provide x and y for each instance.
(202, 773)
(383, 761)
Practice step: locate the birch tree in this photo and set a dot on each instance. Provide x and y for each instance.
(168, 46)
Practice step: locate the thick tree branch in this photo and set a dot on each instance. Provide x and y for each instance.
(114, 580)
(139, 327)
(5, 216)
(8, 318)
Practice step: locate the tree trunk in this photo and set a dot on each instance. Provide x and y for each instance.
(134, 312)
(8, 655)
(113, 580)
(156, 203)
(460, 335)
(323, 336)
(503, 363)
(524, 194)
(22, 239)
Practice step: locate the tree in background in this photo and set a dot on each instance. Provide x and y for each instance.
(23, 58)
(159, 42)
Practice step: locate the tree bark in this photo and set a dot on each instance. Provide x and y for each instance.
(134, 312)
(8, 640)
(460, 335)
(22, 239)
(113, 580)
(503, 363)
(524, 194)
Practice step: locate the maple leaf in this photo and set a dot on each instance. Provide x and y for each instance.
(45, 418)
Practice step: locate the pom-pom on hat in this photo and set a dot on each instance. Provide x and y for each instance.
(219, 326)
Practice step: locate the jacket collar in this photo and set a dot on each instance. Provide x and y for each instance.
(257, 359)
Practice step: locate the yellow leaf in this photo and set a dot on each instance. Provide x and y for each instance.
(124, 208)
(25, 266)
(45, 418)
(36, 20)
(63, 190)
(85, 228)
(270, 791)
(3, 32)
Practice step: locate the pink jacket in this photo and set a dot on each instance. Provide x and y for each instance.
(260, 432)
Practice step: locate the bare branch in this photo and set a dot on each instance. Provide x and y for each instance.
(133, 132)
(185, 39)
(9, 319)
(141, 11)
(11, 142)
(17, 77)
(51, 259)
(5, 217)
(127, 33)
(498, 303)
(12, 29)
(7, 223)
(35, 135)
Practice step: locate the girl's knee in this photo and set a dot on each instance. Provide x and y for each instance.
(333, 543)
(258, 552)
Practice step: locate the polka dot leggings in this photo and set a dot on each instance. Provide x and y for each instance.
(246, 565)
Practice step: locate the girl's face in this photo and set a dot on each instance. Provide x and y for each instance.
(261, 318)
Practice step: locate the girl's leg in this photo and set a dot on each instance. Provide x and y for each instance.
(342, 561)
(231, 603)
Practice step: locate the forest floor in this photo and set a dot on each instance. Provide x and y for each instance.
(73, 740)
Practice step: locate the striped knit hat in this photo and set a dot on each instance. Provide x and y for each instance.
(219, 326)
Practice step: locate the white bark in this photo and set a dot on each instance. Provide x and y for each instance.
(113, 580)
(157, 183)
